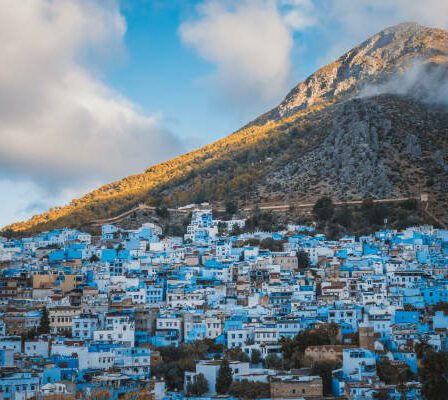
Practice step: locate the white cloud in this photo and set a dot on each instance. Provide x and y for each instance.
(346, 23)
(60, 125)
(21, 198)
(298, 14)
(376, 13)
(249, 42)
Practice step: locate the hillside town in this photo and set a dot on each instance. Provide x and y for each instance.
(221, 311)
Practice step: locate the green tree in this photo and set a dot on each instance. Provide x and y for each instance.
(162, 212)
(264, 221)
(222, 228)
(374, 213)
(333, 331)
(199, 386)
(344, 217)
(381, 395)
(303, 260)
(94, 258)
(410, 205)
(252, 242)
(324, 370)
(421, 348)
(294, 349)
(434, 375)
(236, 354)
(171, 373)
(236, 230)
(392, 374)
(177, 360)
(324, 209)
(255, 357)
(271, 244)
(250, 390)
(224, 378)
(231, 207)
(273, 361)
(44, 325)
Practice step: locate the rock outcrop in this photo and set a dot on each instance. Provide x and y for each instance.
(374, 62)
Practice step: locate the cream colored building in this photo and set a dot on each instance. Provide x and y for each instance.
(61, 318)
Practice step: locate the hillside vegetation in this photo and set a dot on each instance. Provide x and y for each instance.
(214, 172)
(323, 139)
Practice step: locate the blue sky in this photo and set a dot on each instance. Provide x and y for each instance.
(163, 74)
(168, 74)
(94, 90)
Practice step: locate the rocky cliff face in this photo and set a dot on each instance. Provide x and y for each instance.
(381, 147)
(374, 62)
(350, 156)
(372, 124)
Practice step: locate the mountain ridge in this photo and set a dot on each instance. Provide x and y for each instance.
(364, 61)
(328, 132)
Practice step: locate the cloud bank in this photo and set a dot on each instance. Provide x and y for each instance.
(346, 23)
(60, 125)
(425, 82)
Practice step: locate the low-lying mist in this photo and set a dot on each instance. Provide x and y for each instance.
(424, 82)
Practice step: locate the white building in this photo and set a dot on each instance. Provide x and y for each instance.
(210, 369)
(119, 329)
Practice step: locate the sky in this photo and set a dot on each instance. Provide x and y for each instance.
(94, 90)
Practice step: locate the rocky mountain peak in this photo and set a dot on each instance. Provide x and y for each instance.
(387, 53)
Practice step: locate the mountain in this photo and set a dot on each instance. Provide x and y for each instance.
(374, 62)
(372, 124)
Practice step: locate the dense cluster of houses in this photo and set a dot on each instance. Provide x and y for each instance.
(81, 313)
